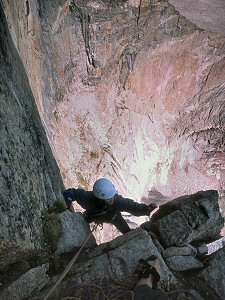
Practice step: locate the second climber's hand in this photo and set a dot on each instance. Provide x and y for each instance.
(151, 207)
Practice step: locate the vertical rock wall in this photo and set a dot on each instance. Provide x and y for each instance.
(125, 89)
(29, 177)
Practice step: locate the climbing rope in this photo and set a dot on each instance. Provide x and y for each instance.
(108, 286)
(71, 263)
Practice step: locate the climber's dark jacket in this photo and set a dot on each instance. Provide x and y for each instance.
(95, 206)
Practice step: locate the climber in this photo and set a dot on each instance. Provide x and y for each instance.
(148, 272)
(103, 204)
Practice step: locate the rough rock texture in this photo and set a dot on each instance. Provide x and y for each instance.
(74, 232)
(202, 250)
(127, 89)
(173, 205)
(180, 263)
(214, 274)
(29, 176)
(216, 245)
(198, 220)
(179, 251)
(118, 258)
(211, 280)
(109, 268)
(206, 14)
(32, 281)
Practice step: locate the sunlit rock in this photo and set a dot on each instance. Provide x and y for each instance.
(129, 90)
(74, 231)
(197, 220)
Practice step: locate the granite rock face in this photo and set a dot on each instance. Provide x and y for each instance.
(32, 281)
(214, 274)
(198, 220)
(206, 14)
(29, 177)
(183, 263)
(74, 232)
(173, 205)
(211, 280)
(126, 89)
(109, 268)
(112, 265)
(179, 251)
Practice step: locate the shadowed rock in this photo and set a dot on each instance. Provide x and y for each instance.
(32, 281)
(211, 280)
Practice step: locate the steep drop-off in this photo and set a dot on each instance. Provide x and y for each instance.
(126, 89)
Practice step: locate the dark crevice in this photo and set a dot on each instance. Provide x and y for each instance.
(27, 8)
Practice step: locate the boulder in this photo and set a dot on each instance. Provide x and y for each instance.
(74, 231)
(183, 263)
(187, 250)
(32, 281)
(210, 281)
(175, 204)
(214, 274)
(131, 247)
(114, 263)
(195, 220)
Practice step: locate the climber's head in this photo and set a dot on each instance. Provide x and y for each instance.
(104, 189)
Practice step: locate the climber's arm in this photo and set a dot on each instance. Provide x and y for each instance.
(134, 208)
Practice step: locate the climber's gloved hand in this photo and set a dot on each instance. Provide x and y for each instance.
(67, 198)
(68, 202)
(151, 207)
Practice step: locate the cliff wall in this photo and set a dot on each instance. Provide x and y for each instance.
(126, 89)
(29, 177)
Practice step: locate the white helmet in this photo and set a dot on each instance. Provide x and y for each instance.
(104, 189)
